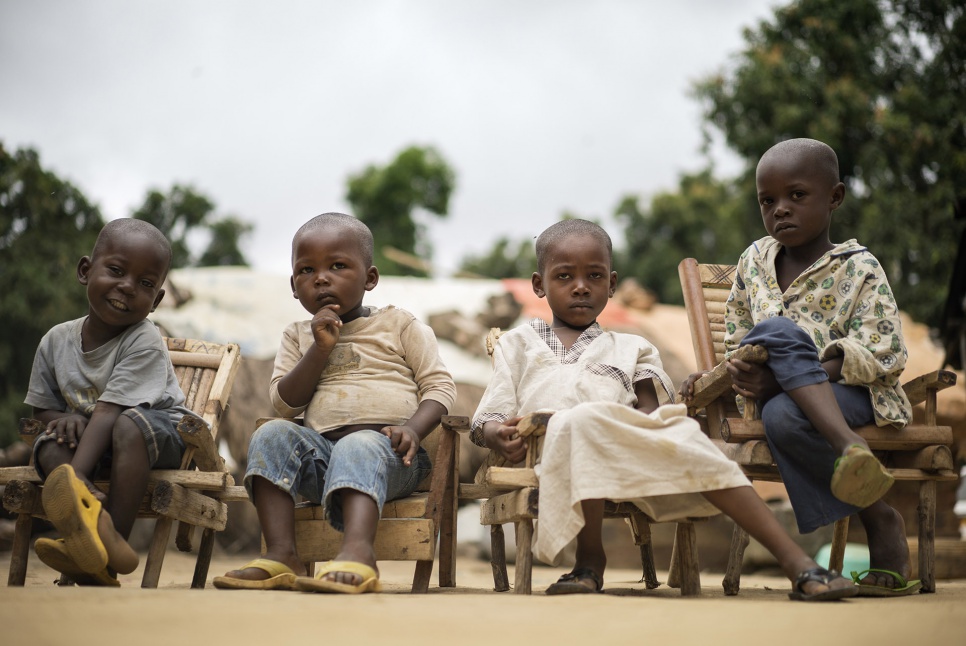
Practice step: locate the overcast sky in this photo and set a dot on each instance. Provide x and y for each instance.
(267, 107)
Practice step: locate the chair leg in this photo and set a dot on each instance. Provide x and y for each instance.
(840, 536)
(159, 544)
(20, 551)
(736, 554)
(447, 532)
(927, 535)
(422, 577)
(641, 530)
(501, 581)
(523, 568)
(204, 558)
(687, 549)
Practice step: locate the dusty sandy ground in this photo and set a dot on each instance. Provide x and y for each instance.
(41, 613)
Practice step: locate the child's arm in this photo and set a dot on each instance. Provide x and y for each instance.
(297, 387)
(97, 436)
(646, 396)
(407, 437)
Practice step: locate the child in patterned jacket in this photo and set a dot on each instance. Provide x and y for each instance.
(826, 314)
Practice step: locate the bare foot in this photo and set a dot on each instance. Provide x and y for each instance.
(121, 557)
(359, 554)
(888, 546)
(257, 574)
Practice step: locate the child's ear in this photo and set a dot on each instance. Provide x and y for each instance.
(291, 282)
(157, 299)
(613, 284)
(83, 269)
(372, 278)
(537, 281)
(838, 196)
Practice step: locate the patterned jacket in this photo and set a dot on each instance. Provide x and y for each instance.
(845, 304)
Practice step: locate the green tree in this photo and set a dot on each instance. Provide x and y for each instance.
(506, 259)
(46, 225)
(705, 218)
(387, 198)
(883, 82)
(184, 210)
(223, 248)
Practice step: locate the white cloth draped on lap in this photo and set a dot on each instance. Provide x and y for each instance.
(608, 450)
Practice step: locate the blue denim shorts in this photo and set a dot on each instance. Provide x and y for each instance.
(302, 462)
(160, 433)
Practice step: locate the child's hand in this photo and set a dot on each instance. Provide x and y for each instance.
(755, 380)
(404, 440)
(68, 429)
(504, 439)
(687, 386)
(326, 327)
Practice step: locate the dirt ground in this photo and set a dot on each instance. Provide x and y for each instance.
(41, 613)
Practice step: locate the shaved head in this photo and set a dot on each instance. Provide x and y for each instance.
(117, 230)
(815, 153)
(564, 229)
(342, 222)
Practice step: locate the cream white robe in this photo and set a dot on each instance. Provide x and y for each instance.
(597, 444)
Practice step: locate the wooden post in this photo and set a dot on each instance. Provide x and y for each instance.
(840, 535)
(736, 554)
(524, 561)
(501, 581)
(159, 544)
(688, 559)
(204, 558)
(641, 530)
(20, 551)
(927, 535)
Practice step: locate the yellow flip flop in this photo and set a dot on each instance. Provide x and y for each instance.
(54, 555)
(859, 478)
(74, 511)
(280, 577)
(369, 583)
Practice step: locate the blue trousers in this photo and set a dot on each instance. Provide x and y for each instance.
(804, 458)
(300, 461)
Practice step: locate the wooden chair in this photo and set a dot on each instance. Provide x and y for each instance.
(920, 453)
(195, 495)
(409, 527)
(511, 495)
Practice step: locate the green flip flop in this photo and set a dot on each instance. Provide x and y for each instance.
(865, 590)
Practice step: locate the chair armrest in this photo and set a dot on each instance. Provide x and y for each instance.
(918, 389)
(196, 435)
(456, 423)
(717, 382)
(30, 428)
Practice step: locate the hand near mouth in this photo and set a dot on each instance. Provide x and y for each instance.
(326, 327)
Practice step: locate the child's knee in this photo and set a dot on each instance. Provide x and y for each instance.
(126, 436)
(776, 329)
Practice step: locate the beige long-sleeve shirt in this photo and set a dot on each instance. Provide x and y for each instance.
(383, 366)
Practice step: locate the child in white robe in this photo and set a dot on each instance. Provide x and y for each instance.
(609, 437)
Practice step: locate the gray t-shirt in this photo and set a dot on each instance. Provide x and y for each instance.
(132, 369)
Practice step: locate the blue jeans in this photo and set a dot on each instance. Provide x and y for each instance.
(805, 459)
(302, 462)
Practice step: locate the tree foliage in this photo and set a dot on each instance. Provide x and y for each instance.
(506, 259)
(46, 226)
(705, 219)
(387, 199)
(181, 212)
(883, 82)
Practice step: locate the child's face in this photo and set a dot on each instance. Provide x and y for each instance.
(123, 281)
(328, 269)
(796, 200)
(576, 280)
